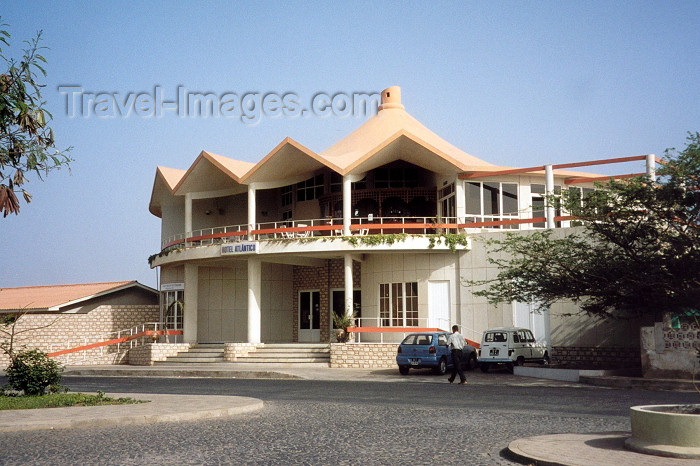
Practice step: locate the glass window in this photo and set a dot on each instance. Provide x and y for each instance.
(310, 189)
(286, 194)
(497, 337)
(398, 304)
(418, 339)
(473, 193)
(510, 198)
(172, 303)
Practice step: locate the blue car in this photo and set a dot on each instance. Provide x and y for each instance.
(429, 350)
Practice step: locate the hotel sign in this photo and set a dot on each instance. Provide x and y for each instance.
(172, 286)
(240, 248)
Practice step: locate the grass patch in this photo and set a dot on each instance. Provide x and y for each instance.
(59, 400)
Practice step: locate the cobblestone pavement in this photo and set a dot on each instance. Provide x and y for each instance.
(417, 421)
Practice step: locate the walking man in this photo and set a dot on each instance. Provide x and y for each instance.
(456, 344)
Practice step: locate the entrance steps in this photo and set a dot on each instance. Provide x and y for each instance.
(197, 354)
(297, 354)
(280, 354)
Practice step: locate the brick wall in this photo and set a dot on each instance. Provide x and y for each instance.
(596, 358)
(63, 331)
(146, 355)
(323, 279)
(363, 355)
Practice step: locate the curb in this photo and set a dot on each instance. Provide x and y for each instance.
(160, 408)
(230, 374)
(638, 382)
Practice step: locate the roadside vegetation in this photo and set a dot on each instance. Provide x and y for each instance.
(59, 400)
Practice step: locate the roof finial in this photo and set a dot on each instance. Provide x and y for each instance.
(391, 98)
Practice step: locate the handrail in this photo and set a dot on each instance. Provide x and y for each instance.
(324, 227)
(115, 341)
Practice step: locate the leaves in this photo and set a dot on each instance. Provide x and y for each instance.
(26, 140)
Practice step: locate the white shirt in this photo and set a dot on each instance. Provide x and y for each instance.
(455, 341)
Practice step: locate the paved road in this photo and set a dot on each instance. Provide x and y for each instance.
(415, 420)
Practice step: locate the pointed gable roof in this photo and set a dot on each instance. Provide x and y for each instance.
(393, 128)
(211, 172)
(289, 159)
(163, 185)
(55, 297)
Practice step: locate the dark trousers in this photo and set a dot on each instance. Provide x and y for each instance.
(457, 366)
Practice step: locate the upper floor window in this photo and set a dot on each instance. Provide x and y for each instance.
(396, 177)
(337, 183)
(286, 192)
(310, 189)
(491, 199)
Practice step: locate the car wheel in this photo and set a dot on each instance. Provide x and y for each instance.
(441, 368)
(509, 367)
(520, 361)
(471, 363)
(403, 370)
(545, 360)
(484, 367)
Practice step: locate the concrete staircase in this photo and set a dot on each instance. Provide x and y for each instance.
(201, 353)
(290, 354)
(280, 354)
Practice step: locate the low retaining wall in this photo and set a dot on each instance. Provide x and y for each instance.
(670, 352)
(596, 358)
(146, 355)
(363, 355)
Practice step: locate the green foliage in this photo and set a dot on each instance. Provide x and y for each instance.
(637, 253)
(58, 400)
(375, 240)
(32, 373)
(450, 239)
(344, 320)
(26, 140)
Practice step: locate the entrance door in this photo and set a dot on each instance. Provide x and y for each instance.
(439, 304)
(309, 316)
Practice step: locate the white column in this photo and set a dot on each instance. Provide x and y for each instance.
(460, 201)
(348, 284)
(549, 190)
(251, 210)
(189, 321)
(347, 204)
(188, 214)
(254, 280)
(651, 166)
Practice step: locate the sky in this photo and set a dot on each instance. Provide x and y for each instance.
(513, 83)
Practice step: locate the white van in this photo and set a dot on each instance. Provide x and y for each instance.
(511, 346)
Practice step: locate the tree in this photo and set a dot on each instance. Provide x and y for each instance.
(26, 140)
(636, 255)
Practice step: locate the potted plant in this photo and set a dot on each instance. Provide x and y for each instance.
(341, 323)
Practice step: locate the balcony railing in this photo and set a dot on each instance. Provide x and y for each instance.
(297, 229)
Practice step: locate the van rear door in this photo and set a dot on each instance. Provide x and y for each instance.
(494, 345)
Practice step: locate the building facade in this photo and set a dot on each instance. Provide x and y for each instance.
(387, 224)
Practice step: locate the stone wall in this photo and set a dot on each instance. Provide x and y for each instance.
(670, 352)
(363, 355)
(596, 358)
(54, 332)
(146, 355)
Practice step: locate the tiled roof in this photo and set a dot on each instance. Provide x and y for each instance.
(53, 297)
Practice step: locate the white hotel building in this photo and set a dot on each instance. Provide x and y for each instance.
(388, 222)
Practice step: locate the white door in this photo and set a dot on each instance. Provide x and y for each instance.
(309, 316)
(439, 304)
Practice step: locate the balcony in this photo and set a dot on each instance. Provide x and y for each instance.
(333, 227)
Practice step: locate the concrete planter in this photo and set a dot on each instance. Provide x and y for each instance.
(658, 431)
